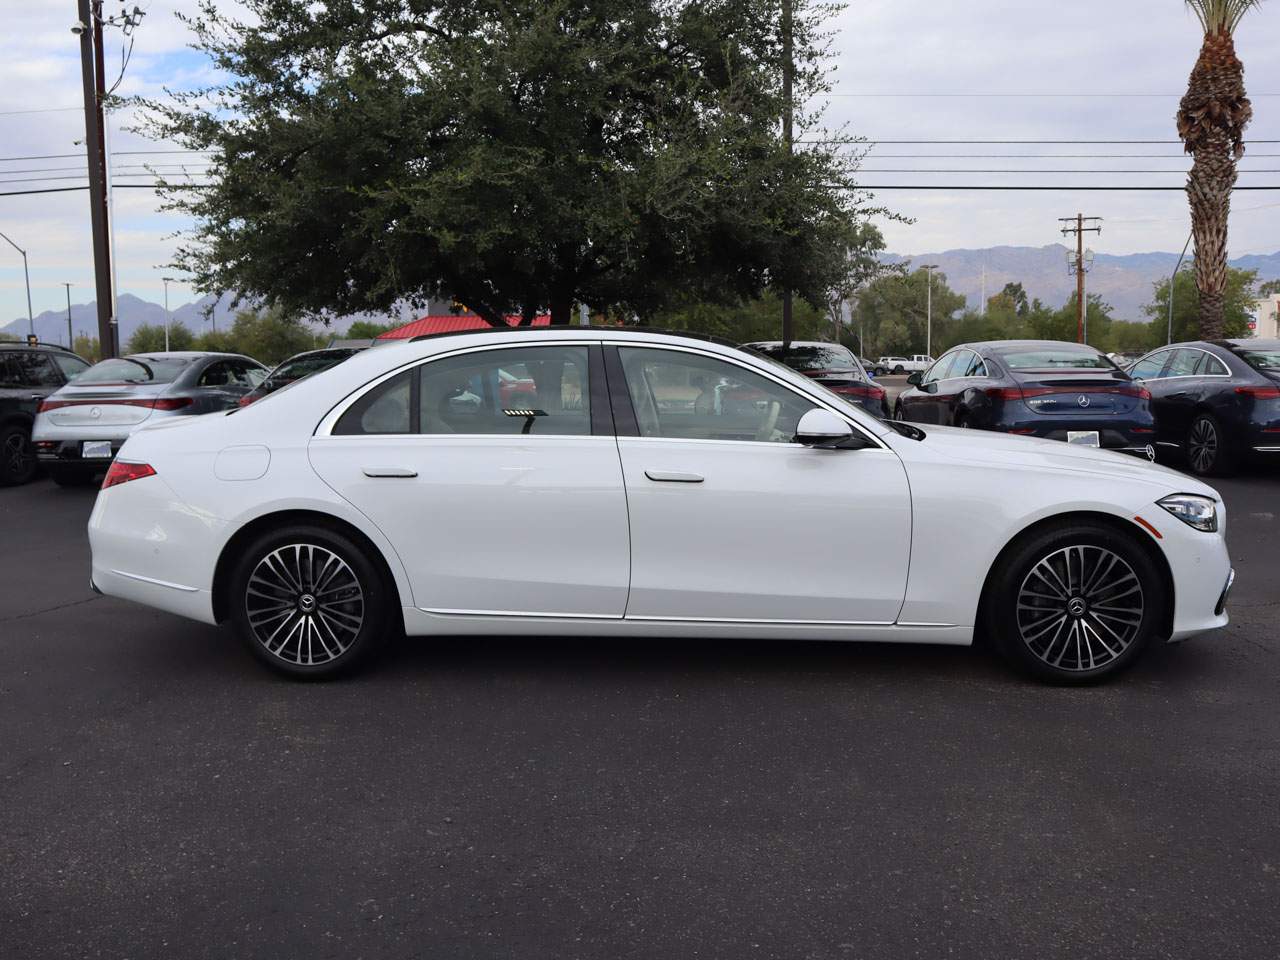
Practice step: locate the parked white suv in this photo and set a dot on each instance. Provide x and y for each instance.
(918, 363)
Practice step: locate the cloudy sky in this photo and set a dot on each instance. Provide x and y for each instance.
(907, 70)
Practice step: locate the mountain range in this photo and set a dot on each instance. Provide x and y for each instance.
(1123, 281)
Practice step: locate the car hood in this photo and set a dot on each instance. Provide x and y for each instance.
(1000, 450)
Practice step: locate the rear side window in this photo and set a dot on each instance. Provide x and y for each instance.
(386, 409)
(1184, 363)
(32, 369)
(70, 365)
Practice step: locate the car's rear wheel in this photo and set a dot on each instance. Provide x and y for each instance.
(899, 370)
(1075, 603)
(309, 602)
(1207, 452)
(17, 455)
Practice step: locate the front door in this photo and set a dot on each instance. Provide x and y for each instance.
(733, 521)
(496, 478)
(1150, 373)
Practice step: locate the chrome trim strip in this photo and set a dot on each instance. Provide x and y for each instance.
(507, 614)
(768, 623)
(155, 582)
(1267, 449)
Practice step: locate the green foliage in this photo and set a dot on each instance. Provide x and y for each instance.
(892, 315)
(1239, 298)
(758, 320)
(149, 338)
(518, 156)
(1269, 289)
(368, 330)
(86, 348)
(266, 335)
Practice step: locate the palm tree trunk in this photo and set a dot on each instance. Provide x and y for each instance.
(1209, 185)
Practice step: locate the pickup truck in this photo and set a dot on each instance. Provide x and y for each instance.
(917, 363)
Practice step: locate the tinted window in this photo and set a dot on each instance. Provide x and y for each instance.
(1211, 366)
(8, 372)
(942, 369)
(1150, 367)
(813, 357)
(134, 370)
(1261, 359)
(70, 365)
(973, 367)
(1184, 363)
(384, 409)
(248, 374)
(525, 390)
(34, 369)
(217, 374)
(305, 366)
(694, 397)
(1055, 358)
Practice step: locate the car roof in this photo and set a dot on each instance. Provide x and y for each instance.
(579, 332)
(39, 348)
(1027, 344)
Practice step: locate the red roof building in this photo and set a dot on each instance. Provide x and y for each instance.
(451, 323)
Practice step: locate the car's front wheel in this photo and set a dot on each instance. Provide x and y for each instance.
(309, 602)
(1075, 602)
(17, 455)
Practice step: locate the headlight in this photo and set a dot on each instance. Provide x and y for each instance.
(1194, 511)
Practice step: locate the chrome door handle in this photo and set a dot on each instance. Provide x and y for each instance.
(403, 472)
(662, 476)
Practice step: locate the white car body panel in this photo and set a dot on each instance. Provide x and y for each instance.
(930, 516)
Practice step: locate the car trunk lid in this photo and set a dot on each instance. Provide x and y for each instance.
(1078, 393)
(108, 404)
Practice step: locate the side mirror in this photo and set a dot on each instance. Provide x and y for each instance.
(914, 379)
(823, 429)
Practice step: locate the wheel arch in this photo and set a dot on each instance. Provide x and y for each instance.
(282, 518)
(17, 417)
(1121, 526)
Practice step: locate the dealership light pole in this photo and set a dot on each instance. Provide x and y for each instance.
(928, 344)
(168, 317)
(71, 337)
(31, 318)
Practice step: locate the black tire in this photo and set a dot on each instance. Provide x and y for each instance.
(899, 370)
(72, 477)
(1207, 448)
(18, 463)
(963, 421)
(322, 639)
(1093, 630)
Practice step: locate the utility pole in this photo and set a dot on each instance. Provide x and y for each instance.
(1079, 229)
(928, 342)
(31, 318)
(89, 29)
(1173, 282)
(788, 120)
(71, 337)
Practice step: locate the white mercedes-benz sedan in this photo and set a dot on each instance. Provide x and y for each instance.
(624, 483)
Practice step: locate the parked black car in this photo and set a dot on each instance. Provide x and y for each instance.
(1218, 402)
(1036, 388)
(296, 367)
(833, 366)
(27, 376)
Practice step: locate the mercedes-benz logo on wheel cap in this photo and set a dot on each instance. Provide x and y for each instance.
(1083, 401)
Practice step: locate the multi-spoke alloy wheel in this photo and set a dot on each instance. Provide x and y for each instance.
(308, 601)
(1075, 601)
(304, 604)
(1080, 608)
(1207, 454)
(17, 456)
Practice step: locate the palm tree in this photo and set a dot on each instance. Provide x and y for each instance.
(1211, 122)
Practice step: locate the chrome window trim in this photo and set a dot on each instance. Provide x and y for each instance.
(1201, 376)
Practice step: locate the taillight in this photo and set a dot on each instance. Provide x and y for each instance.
(1260, 393)
(1004, 393)
(247, 399)
(150, 403)
(860, 390)
(122, 471)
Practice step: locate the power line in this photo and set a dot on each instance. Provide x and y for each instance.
(1045, 96)
(1029, 188)
(1037, 171)
(868, 142)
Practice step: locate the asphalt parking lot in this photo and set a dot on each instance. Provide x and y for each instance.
(162, 796)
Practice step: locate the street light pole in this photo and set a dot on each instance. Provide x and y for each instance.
(31, 317)
(1173, 280)
(928, 344)
(168, 317)
(71, 337)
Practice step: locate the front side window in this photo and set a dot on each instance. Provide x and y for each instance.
(942, 369)
(688, 396)
(1149, 368)
(34, 369)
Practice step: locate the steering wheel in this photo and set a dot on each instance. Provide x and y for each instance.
(767, 428)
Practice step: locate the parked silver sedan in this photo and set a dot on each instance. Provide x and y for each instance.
(80, 428)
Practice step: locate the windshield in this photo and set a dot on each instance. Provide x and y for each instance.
(1055, 358)
(134, 370)
(1262, 359)
(812, 357)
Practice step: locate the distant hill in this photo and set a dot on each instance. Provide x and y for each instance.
(1125, 282)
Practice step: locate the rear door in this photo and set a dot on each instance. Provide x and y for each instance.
(494, 473)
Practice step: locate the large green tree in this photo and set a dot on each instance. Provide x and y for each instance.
(150, 338)
(892, 312)
(519, 156)
(1238, 299)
